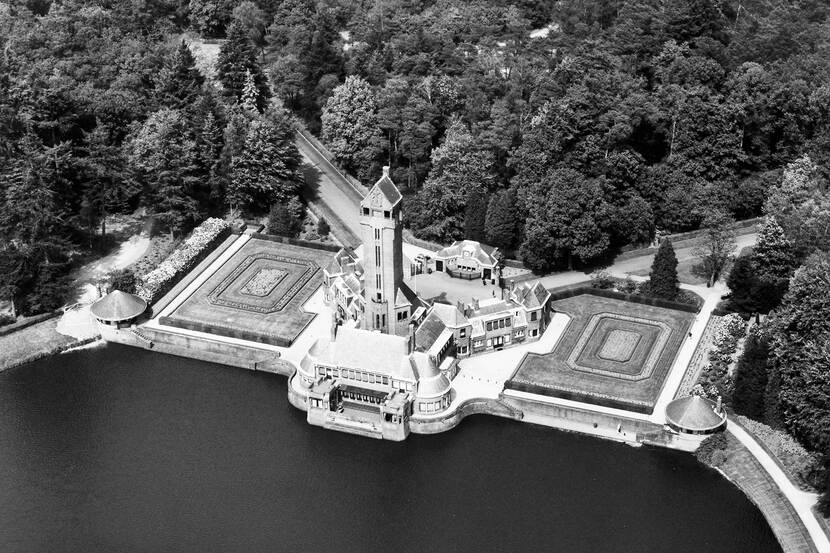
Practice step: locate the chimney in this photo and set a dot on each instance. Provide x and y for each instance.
(385, 170)
(411, 337)
(512, 285)
(719, 407)
(475, 303)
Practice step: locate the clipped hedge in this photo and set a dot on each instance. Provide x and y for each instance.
(635, 298)
(198, 245)
(297, 242)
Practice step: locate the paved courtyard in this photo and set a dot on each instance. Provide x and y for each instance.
(446, 289)
(613, 353)
(256, 295)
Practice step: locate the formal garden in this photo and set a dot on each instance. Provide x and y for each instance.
(257, 294)
(614, 353)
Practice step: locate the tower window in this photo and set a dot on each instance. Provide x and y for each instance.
(377, 256)
(377, 280)
(377, 234)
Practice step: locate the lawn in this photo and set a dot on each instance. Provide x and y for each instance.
(613, 353)
(257, 294)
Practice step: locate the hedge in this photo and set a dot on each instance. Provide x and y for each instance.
(297, 242)
(570, 292)
(198, 245)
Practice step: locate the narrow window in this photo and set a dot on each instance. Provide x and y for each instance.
(366, 211)
(386, 214)
(377, 256)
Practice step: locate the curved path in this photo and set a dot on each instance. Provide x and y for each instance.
(801, 501)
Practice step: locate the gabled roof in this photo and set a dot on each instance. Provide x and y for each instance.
(484, 254)
(428, 331)
(450, 314)
(407, 297)
(531, 296)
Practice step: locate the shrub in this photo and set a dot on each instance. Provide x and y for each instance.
(602, 280)
(6, 319)
(706, 450)
(323, 227)
(628, 286)
(124, 280)
(805, 466)
(282, 221)
(183, 259)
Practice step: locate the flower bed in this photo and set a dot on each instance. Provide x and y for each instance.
(803, 466)
(715, 379)
(202, 240)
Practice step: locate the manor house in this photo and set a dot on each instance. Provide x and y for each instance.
(391, 355)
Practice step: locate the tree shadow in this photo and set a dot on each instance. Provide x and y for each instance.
(311, 182)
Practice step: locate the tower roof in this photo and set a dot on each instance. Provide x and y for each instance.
(384, 193)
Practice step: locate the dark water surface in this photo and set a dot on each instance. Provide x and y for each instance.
(119, 449)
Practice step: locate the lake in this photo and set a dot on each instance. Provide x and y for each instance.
(120, 449)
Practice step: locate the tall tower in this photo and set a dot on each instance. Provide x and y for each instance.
(389, 302)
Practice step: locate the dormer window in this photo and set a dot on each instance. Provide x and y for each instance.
(386, 214)
(366, 211)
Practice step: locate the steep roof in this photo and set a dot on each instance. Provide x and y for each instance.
(450, 314)
(406, 296)
(384, 188)
(118, 306)
(428, 331)
(694, 413)
(484, 254)
(531, 296)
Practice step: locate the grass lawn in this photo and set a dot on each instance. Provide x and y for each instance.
(613, 353)
(257, 294)
(31, 341)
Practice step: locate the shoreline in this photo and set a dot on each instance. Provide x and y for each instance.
(756, 484)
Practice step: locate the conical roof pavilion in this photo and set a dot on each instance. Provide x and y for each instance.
(118, 306)
(695, 415)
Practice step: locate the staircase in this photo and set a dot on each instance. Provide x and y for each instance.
(142, 338)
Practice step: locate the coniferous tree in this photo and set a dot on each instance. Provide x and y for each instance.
(282, 221)
(180, 82)
(773, 253)
(249, 94)
(744, 286)
(501, 225)
(267, 171)
(751, 376)
(236, 60)
(663, 281)
(163, 160)
(475, 214)
(799, 340)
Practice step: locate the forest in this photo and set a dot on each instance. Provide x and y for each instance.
(558, 131)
